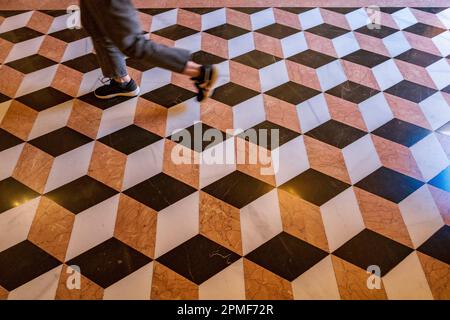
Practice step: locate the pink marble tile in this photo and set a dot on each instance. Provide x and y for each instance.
(360, 74)
(345, 112)
(427, 18)
(215, 45)
(371, 44)
(414, 73)
(268, 44)
(189, 19)
(320, 44)
(303, 75)
(239, 19)
(421, 43)
(442, 200)
(281, 113)
(286, 18)
(407, 110)
(245, 76)
(334, 18)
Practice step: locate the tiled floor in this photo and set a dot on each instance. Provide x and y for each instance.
(363, 159)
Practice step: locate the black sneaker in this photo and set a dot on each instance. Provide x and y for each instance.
(115, 89)
(205, 82)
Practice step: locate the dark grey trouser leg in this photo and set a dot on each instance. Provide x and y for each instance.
(119, 21)
(110, 59)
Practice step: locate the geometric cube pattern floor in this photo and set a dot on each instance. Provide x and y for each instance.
(360, 177)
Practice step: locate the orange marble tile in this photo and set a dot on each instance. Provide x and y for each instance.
(407, 111)
(397, 157)
(261, 284)
(85, 118)
(107, 166)
(216, 114)
(281, 112)
(88, 289)
(162, 40)
(136, 225)
(442, 201)
(427, 18)
(415, 73)
(33, 168)
(244, 76)
(3, 293)
(327, 159)
(151, 116)
(383, 217)
(286, 18)
(183, 81)
(268, 44)
(40, 21)
(51, 228)
(5, 48)
(320, 44)
(334, 18)
(345, 112)
(303, 75)
(438, 276)
(146, 21)
(214, 45)
(302, 219)
(371, 44)
(421, 43)
(239, 19)
(52, 48)
(10, 80)
(189, 19)
(186, 167)
(19, 119)
(220, 222)
(360, 74)
(254, 161)
(169, 285)
(352, 282)
(67, 80)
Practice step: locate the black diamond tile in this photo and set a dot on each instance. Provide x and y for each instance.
(328, 31)
(140, 65)
(20, 35)
(198, 259)
(295, 10)
(195, 137)
(433, 10)
(314, 186)
(238, 189)
(389, 184)
(233, 94)
(442, 180)
(130, 139)
(103, 104)
(54, 13)
(370, 248)
(84, 64)
(292, 92)
(169, 95)
(438, 245)
(390, 10)
(70, 35)
(417, 57)
(227, 31)
(60, 141)
(4, 98)
(154, 11)
(8, 140)
(81, 194)
(44, 99)
(175, 32)
(411, 91)
(311, 58)
(366, 58)
(10, 13)
(249, 10)
(160, 191)
(31, 63)
(447, 88)
(402, 132)
(353, 92)
(201, 11)
(256, 59)
(109, 262)
(425, 30)
(379, 33)
(202, 57)
(22, 263)
(341, 10)
(445, 129)
(287, 256)
(263, 133)
(336, 133)
(278, 31)
(13, 193)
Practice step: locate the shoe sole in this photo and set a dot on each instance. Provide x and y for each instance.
(209, 84)
(121, 94)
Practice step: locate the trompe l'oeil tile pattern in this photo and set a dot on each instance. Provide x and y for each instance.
(360, 176)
